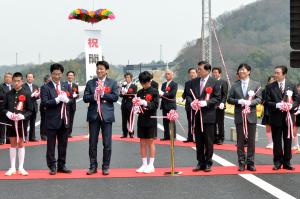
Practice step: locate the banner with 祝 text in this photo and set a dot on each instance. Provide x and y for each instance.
(93, 52)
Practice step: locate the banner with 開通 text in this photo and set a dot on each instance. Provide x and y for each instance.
(93, 52)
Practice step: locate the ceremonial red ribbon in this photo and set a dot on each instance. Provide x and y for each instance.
(286, 108)
(99, 88)
(196, 106)
(136, 109)
(63, 110)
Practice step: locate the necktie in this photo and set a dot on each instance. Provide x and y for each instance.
(57, 88)
(244, 87)
(281, 87)
(201, 85)
(9, 87)
(30, 86)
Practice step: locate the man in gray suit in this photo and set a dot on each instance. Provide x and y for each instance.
(245, 94)
(106, 95)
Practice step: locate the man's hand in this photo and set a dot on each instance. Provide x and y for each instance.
(241, 102)
(144, 103)
(247, 102)
(221, 106)
(203, 103)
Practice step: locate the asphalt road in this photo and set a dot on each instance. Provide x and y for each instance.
(126, 155)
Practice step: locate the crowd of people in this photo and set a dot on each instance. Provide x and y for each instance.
(205, 94)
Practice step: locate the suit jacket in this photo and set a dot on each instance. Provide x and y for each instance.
(127, 99)
(273, 96)
(154, 84)
(74, 89)
(236, 93)
(167, 105)
(107, 101)
(53, 110)
(11, 101)
(208, 112)
(5, 88)
(33, 99)
(224, 90)
(187, 87)
(144, 119)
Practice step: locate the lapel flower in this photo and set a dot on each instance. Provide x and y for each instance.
(22, 98)
(209, 90)
(168, 89)
(75, 90)
(107, 90)
(130, 90)
(68, 93)
(148, 97)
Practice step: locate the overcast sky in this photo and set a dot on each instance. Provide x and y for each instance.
(31, 27)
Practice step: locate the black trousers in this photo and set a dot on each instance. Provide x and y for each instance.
(190, 119)
(106, 130)
(242, 159)
(31, 124)
(280, 156)
(204, 142)
(61, 135)
(219, 126)
(166, 123)
(43, 133)
(125, 120)
(2, 133)
(71, 115)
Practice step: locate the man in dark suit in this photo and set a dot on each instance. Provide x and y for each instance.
(43, 129)
(75, 94)
(105, 91)
(168, 101)
(278, 94)
(190, 114)
(154, 84)
(220, 112)
(34, 92)
(128, 89)
(245, 94)
(207, 93)
(57, 98)
(6, 87)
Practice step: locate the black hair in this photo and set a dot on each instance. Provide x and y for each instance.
(17, 74)
(244, 65)
(145, 77)
(269, 78)
(283, 69)
(202, 63)
(207, 66)
(46, 78)
(70, 71)
(30, 74)
(128, 73)
(190, 69)
(103, 63)
(218, 69)
(57, 66)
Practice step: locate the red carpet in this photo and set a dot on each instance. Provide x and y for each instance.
(116, 137)
(130, 173)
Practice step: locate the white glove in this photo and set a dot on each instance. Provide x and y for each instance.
(9, 115)
(20, 116)
(144, 103)
(37, 94)
(136, 109)
(123, 91)
(75, 95)
(33, 94)
(203, 103)
(161, 93)
(221, 106)
(298, 111)
(279, 105)
(58, 99)
(64, 99)
(247, 102)
(241, 102)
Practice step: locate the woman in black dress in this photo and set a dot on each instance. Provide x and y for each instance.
(265, 120)
(147, 126)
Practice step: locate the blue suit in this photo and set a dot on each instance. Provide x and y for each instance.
(95, 122)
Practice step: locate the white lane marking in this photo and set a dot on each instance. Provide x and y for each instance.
(249, 177)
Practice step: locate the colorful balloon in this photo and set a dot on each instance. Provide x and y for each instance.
(92, 16)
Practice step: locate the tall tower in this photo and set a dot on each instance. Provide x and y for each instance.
(206, 36)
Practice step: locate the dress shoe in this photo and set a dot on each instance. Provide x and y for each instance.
(219, 142)
(64, 170)
(70, 136)
(22, 172)
(207, 168)
(251, 168)
(276, 167)
(33, 140)
(149, 169)
(1, 143)
(123, 136)
(187, 141)
(10, 172)
(7, 141)
(131, 135)
(288, 167)
(199, 168)
(91, 171)
(105, 172)
(241, 167)
(141, 169)
(52, 171)
(164, 139)
(44, 138)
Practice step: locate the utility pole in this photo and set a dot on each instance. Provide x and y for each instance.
(206, 33)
